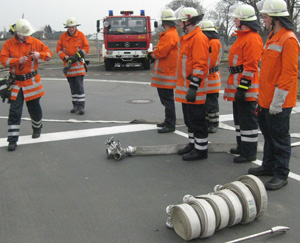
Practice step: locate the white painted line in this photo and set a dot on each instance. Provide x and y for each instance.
(101, 80)
(59, 136)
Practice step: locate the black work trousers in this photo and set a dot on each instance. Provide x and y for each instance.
(15, 114)
(194, 119)
(77, 91)
(167, 100)
(277, 145)
(246, 126)
(212, 109)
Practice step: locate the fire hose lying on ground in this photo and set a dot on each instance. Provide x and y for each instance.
(117, 152)
(239, 202)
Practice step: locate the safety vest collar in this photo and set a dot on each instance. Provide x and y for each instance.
(276, 36)
(29, 40)
(69, 37)
(242, 32)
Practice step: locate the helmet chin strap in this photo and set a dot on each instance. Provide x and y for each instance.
(184, 27)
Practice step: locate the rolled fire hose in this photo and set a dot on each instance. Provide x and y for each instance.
(220, 208)
(185, 221)
(234, 206)
(258, 191)
(246, 198)
(205, 213)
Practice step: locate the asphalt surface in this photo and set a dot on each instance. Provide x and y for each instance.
(62, 187)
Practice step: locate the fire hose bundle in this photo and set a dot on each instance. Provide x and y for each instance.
(238, 202)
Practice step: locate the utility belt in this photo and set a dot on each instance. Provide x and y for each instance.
(214, 69)
(238, 69)
(26, 76)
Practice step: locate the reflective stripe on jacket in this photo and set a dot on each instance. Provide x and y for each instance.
(246, 51)
(214, 79)
(165, 55)
(192, 60)
(10, 55)
(70, 45)
(279, 67)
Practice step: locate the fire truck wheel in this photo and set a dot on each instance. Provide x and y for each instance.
(108, 65)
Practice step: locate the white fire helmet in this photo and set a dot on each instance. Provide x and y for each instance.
(168, 15)
(186, 13)
(244, 12)
(71, 22)
(208, 25)
(276, 8)
(24, 28)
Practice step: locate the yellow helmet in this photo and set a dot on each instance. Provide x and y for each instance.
(23, 27)
(275, 8)
(71, 22)
(208, 25)
(245, 13)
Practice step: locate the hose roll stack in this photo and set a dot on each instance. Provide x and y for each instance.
(237, 202)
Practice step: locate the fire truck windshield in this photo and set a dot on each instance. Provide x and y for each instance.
(126, 25)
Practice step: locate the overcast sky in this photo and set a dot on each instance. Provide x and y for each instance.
(55, 12)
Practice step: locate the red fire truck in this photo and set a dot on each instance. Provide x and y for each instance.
(127, 39)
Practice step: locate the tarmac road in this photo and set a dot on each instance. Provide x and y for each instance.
(62, 188)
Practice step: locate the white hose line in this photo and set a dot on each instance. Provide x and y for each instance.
(258, 190)
(220, 208)
(206, 216)
(186, 222)
(234, 206)
(246, 198)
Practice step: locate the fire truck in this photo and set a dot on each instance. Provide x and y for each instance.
(126, 39)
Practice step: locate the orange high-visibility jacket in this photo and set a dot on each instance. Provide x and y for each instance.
(10, 55)
(246, 51)
(70, 45)
(192, 60)
(165, 55)
(214, 78)
(279, 67)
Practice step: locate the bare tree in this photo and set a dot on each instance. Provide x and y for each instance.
(175, 4)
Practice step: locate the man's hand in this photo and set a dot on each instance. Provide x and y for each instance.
(35, 55)
(23, 59)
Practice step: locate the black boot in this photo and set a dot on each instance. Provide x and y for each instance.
(81, 110)
(161, 124)
(188, 148)
(242, 159)
(36, 133)
(12, 146)
(260, 171)
(194, 155)
(166, 129)
(235, 151)
(275, 183)
(74, 110)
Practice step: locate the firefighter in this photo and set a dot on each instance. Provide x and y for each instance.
(214, 76)
(277, 93)
(242, 83)
(72, 48)
(21, 54)
(164, 71)
(192, 69)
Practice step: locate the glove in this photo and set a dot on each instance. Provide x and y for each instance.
(195, 81)
(149, 56)
(240, 94)
(244, 85)
(79, 55)
(6, 95)
(278, 101)
(70, 61)
(191, 94)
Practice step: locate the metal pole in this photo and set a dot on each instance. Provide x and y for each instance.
(276, 229)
